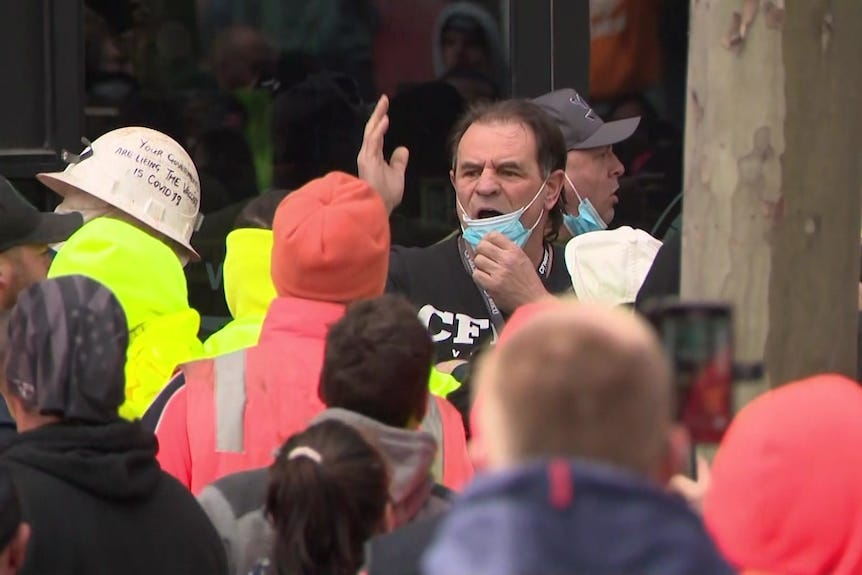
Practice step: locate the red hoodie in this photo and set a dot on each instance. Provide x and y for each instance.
(786, 492)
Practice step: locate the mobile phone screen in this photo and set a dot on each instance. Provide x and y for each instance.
(698, 338)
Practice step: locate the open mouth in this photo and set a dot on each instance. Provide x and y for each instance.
(488, 214)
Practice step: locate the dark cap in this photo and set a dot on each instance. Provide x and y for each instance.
(581, 126)
(22, 224)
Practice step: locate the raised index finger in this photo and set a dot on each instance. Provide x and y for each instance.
(380, 111)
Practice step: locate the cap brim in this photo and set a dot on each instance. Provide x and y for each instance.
(53, 228)
(610, 133)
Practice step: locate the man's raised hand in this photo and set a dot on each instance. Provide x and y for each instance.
(387, 178)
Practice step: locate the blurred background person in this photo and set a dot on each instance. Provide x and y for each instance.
(467, 37)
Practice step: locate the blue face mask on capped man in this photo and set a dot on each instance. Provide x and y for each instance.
(587, 220)
(507, 224)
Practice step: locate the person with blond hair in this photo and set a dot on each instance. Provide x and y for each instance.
(579, 435)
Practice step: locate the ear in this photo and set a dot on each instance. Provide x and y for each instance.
(18, 547)
(452, 177)
(553, 189)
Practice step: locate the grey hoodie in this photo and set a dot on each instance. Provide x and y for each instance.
(235, 503)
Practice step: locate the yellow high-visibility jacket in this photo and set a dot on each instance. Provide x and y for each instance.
(248, 290)
(147, 278)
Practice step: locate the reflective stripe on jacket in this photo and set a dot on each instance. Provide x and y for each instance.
(236, 409)
(220, 403)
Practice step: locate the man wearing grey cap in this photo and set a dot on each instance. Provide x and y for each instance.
(592, 169)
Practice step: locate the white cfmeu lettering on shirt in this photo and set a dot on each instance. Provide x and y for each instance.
(427, 313)
(469, 329)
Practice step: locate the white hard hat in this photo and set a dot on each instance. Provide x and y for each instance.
(141, 172)
(610, 266)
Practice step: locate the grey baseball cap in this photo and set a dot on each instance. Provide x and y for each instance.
(581, 126)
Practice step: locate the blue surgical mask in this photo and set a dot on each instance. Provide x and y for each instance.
(587, 220)
(507, 224)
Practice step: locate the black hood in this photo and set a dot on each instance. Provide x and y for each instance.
(116, 461)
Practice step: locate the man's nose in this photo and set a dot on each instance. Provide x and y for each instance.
(618, 168)
(487, 183)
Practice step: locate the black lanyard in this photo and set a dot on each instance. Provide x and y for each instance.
(497, 320)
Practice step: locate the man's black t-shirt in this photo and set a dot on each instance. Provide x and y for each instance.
(450, 303)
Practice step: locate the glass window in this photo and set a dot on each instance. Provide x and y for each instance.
(268, 94)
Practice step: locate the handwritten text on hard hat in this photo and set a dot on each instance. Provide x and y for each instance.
(177, 183)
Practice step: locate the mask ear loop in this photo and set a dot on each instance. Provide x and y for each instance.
(460, 207)
(527, 207)
(574, 189)
(533, 227)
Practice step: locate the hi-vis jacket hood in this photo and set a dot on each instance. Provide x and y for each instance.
(147, 278)
(248, 290)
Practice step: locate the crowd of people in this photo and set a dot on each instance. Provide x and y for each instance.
(492, 403)
(326, 430)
